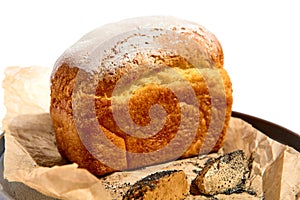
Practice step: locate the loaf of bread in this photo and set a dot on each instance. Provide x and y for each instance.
(139, 92)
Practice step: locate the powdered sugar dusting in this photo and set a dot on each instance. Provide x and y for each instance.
(105, 48)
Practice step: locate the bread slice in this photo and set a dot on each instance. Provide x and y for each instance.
(171, 184)
(225, 174)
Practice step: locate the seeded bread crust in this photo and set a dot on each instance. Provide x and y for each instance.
(171, 184)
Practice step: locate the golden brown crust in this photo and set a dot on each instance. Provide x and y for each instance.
(72, 85)
(67, 139)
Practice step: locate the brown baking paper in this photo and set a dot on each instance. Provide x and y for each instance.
(31, 156)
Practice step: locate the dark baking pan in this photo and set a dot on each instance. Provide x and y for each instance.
(13, 190)
(272, 130)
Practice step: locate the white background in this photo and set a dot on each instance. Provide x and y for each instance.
(260, 39)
